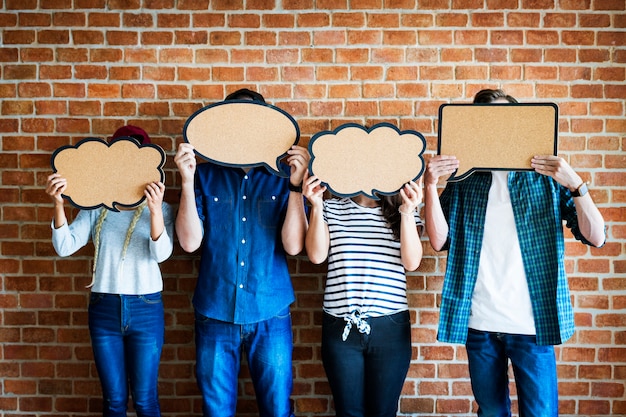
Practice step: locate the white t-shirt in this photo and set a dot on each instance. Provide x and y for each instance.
(501, 300)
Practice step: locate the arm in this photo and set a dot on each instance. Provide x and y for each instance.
(161, 224)
(188, 224)
(590, 220)
(154, 197)
(295, 225)
(54, 188)
(317, 240)
(436, 224)
(410, 243)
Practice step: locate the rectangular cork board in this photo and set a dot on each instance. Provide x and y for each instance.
(487, 137)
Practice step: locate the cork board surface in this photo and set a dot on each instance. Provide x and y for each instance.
(496, 136)
(353, 159)
(113, 175)
(242, 133)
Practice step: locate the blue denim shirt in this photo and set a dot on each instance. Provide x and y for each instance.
(243, 275)
(540, 205)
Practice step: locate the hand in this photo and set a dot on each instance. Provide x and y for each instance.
(439, 165)
(154, 196)
(185, 160)
(313, 189)
(55, 186)
(556, 168)
(298, 159)
(412, 196)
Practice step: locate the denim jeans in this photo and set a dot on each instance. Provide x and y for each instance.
(268, 345)
(534, 369)
(127, 334)
(366, 372)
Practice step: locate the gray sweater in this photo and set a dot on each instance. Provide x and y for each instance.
(139, 272)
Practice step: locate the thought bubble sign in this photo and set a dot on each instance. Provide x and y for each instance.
(487, 137)
(242, 133)
(353, 160)
(113, 175)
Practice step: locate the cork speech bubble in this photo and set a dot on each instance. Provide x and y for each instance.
(113, 175)
(353, 160)
(242, 133)
(488, 137)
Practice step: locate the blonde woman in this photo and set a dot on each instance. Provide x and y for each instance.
(126, 320)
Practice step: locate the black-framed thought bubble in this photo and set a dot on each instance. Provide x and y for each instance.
(353, 159)
(113, 175)
(496, 136)
(242, 133)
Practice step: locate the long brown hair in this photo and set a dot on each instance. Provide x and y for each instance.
(389, 206)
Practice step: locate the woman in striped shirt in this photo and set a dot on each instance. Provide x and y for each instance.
(366, 330)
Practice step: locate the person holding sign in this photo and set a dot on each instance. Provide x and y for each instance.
(505, 293)
(245, 221)
(366, 329)
(126, 318)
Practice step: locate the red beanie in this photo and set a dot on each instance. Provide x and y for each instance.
(133, 132)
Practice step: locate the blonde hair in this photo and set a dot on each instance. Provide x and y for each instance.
(96, 239)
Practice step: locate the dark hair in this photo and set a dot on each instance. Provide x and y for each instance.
(489, 96)
(245, 93)
(389, 205)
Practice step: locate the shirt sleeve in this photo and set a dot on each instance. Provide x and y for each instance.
(162, 248)
(67, 239)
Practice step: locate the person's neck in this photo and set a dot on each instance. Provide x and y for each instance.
(364, 201)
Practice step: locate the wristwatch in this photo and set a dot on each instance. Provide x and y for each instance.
(581, 190)
(295, 188)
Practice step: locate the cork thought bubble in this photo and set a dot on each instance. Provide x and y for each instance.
(355, 160)
(242, 133)
(113, 175)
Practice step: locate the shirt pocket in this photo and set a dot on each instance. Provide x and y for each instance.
(219, 213)
(270, 212)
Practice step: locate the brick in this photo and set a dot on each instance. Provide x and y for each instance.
(523, 19)
(37, 55)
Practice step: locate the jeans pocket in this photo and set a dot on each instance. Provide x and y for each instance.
(154, 298)
(399, 319)
(95, 298)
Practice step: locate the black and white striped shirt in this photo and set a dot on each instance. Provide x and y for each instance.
(365, 272)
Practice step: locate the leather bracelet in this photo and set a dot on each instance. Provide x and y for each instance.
(295, 188)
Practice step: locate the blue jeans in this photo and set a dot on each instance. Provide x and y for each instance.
(127, 334)
(366, 372)
(534, 369)
(268, 345)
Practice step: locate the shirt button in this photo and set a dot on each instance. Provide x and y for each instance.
(243, 219)
(243, 241)
(215, 199)
(244, 197)
(240, 285)
(242, 263)
(273, 197)
(245, 177)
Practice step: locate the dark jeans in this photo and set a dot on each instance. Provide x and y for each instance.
(366, 372)
(534, 368)
(268, 345)
(127, 334)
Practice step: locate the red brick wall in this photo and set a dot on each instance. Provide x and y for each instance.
(77, 68)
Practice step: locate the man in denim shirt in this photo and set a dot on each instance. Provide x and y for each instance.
(245, 220)
(505, 292)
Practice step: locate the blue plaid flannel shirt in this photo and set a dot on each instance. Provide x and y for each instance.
(540, 205)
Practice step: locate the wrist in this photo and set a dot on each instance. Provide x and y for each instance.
(295, 188)
(405, 212)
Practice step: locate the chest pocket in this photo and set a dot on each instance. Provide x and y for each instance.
(270, 212)
(218, 213)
